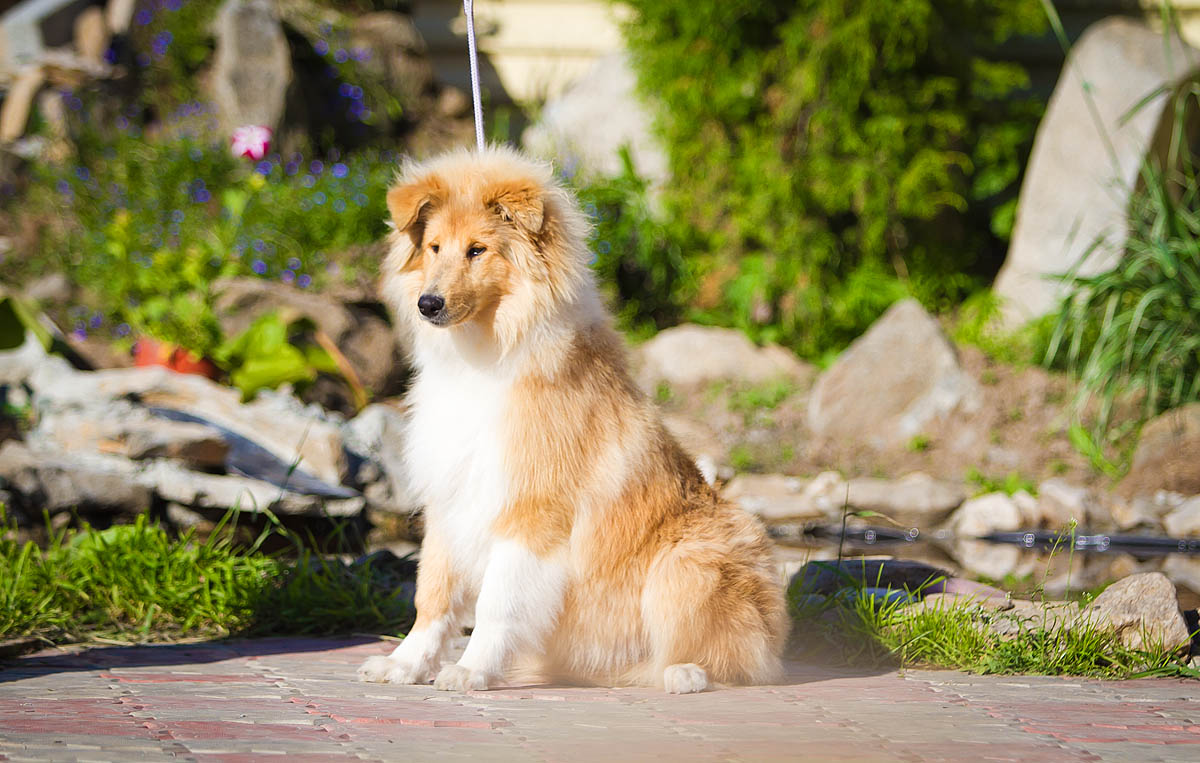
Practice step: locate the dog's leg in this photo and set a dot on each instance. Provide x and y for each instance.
(518, 604)
(417, 658)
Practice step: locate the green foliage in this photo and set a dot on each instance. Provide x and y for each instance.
(171, 44)
(265, 355)
(919, 443)
(149, 226)
(639, 259)
(833, 156)
(1134, 330)
(137, 583)
(978, 323)
(1009, 484)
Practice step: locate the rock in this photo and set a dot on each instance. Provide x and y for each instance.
(962, 590)
(915, 500)
(1184, 570)
(131, 431)
(17, 365)
(585, 128)
(892, 383)
(1184, 522)
(14, 113)
(1025, 616)
(690, 355)
(830, 577)
(252, 66)
(398, 56)
(1087, 153)
(1027, 505)
(376, 435)
(1139, 513)
(53, 287)
(453, 103)
(1143, 610)
(1060, 502)
(53, 482)
(994, 512)
(291, 433)
(991, 560)
(91, 34)
(177, 484)
(773, 497)
(1167, 455)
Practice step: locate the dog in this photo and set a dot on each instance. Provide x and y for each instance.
(562, 521)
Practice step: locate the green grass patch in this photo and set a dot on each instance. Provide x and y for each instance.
(1009, 484)
(137, 583)
(862, 628)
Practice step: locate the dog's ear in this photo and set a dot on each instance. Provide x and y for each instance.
(518, 202)
(408, 203)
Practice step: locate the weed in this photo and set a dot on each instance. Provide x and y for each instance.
(1010, 483)
(919, 443)
(663, 393)
(750, 401)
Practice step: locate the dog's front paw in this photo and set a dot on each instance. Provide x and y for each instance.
(386, 670)
(685, 678)
(459, 678)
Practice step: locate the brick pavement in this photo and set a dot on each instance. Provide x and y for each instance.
(272, 699)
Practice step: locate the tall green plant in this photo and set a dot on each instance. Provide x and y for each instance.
(834, 155)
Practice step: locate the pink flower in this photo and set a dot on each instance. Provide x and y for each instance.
(251, 141)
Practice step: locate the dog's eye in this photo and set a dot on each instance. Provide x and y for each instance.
(475, 251)
(434, 247)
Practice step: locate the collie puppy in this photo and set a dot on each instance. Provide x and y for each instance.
(562, 522)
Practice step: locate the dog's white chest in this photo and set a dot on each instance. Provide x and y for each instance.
(455, 455)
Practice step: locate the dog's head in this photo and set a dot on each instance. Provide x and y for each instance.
(487, 239)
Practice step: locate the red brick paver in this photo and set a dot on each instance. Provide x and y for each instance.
(296, 699)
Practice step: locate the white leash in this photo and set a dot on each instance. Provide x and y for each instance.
(469, 11)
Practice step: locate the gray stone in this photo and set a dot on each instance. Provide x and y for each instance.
(894, 382)
(986, 514)
(1184, 522)
(377, 434)
(774, 497)
(585, 128)
(991, 560)
(177, 484)
(1167, 455)
(122, 428)
(292, 433)
(1087, 153)
(17, 365)
(53, 481)
(1143, 610)
(689, 355)
(829, 577)
(252, 66)
(915, 500)
(1060, 503)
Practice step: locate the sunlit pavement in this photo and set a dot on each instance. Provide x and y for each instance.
(297, 698)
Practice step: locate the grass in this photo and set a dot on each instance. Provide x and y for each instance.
(864, 628)
(135, 583)
(1009, 484)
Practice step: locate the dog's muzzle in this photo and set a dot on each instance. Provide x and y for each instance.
(432, 307)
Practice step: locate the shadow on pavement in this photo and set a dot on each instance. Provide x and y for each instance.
(71, 659)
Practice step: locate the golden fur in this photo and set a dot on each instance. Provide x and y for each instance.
(644, 566)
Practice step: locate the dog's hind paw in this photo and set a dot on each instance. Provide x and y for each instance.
(386, 670)
(459, 678)
(685, 678)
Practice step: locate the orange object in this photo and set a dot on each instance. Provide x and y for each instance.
(152, 352)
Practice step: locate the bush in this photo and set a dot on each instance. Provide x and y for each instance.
(148, 225)
(832, 155)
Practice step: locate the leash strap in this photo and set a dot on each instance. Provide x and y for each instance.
(468, 10)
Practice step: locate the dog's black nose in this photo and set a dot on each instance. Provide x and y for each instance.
(430, 305)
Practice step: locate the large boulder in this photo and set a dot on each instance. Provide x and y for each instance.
(1087, 153)
(252, 66)
(1184, 521)
(277, 423)
(585, 128)
(986, 514)
(689, 355)
(50, 481)
(896, 380)
(1144, 611)
(1167, 455)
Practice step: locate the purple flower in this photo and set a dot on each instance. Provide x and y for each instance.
(321, 47)
(339, 205)
(293, 263)
(144, 17)
(260, 245)
(64, 188)
(308, 181)
(201, 196)
(316, 167)
(82, 173)
(174, 5)
(263, 168)
(344, 89)
(143, 60)
(361, 54)
(177, 215)
(80, 333)
(259, 267)
(340, 170)
(304, 281)
(319, 198)
(341, 56)
(291, 168)
(287, 276)
(96, 321)
(123, 329)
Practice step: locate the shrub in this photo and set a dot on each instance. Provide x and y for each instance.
(834, 155)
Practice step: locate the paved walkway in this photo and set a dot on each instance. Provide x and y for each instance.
(264, 699)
